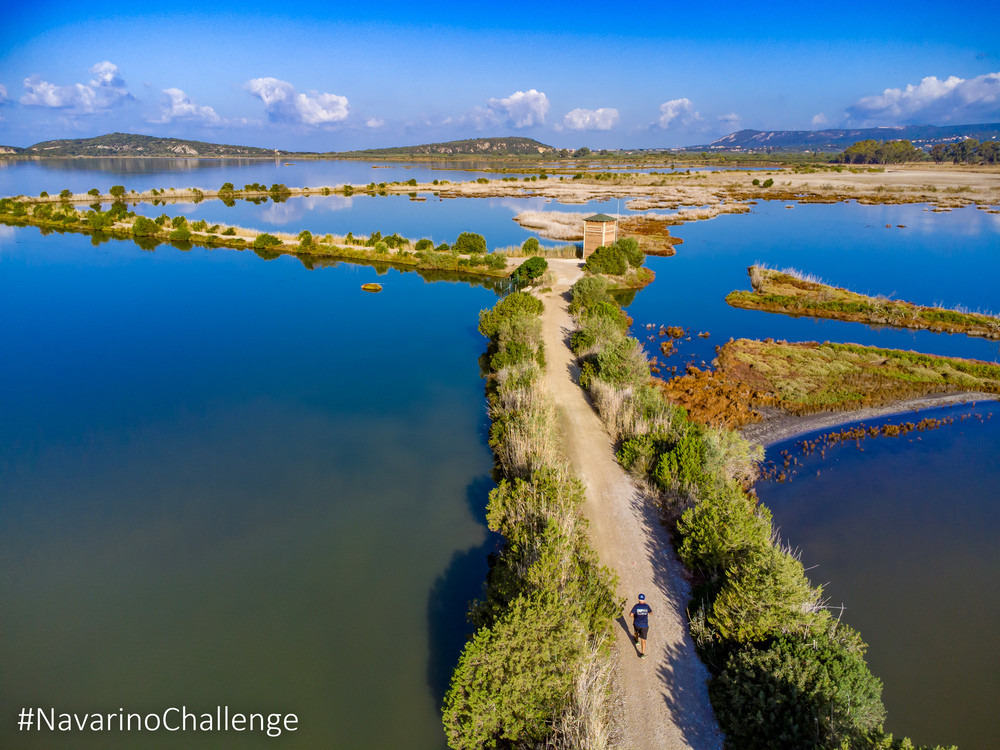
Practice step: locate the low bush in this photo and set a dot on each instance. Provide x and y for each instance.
(264, 241)
(469, 243)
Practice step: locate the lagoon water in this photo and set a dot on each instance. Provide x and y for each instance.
(904, 534)
(230, 480)
(227, 481)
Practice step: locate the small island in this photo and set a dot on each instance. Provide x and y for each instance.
(794, 293)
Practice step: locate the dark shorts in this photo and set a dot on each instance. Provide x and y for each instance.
(641, 633)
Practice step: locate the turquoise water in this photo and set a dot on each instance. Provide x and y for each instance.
(215, 468)
(235, 482)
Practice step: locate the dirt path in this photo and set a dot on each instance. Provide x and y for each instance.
(664, 695)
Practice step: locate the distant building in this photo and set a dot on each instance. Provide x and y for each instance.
(599, 229)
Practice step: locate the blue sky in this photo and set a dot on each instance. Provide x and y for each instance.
(336, 76)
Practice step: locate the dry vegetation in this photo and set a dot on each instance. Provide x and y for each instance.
(754, 378)
(793, 293)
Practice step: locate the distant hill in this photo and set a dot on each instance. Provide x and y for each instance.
(10, 150)
(509, 146)
(921, 136)
(127, 144)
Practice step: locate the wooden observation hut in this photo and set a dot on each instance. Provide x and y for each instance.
(599, 229)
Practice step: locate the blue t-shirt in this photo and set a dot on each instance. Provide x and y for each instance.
(641, 611)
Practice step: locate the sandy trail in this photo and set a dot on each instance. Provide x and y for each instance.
(785, 427)
(664, 696)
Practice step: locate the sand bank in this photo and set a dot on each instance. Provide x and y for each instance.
(783, 427)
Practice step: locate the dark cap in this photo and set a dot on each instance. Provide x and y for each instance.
(642, 597)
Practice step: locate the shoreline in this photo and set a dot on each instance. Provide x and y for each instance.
(784, 427)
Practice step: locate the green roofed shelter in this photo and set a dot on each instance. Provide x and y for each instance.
(599, 229)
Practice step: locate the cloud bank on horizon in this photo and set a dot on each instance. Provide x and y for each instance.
(320, 84)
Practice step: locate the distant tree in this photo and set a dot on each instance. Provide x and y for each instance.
(581, 152)
(67, 193)
(117, 191)
(423, 245)
(989, 152)
(530, 246)
(43, 194)
(871, 151)
(264, 241)
(469, 243)
(305, 238)
(94, 192)
(144, 227)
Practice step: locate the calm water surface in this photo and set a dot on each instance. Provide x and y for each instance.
(230, 481)
(906, 531)
(226, 480)
(904, 534)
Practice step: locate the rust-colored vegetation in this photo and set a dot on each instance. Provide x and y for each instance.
(753, 379)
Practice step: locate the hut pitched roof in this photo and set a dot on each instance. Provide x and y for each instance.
(600, 217)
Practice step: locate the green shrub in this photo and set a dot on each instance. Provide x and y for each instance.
(531, 269)
(495, 261)
(424, 244)
(623, 363)
(181, 234)
(813, 691)
(117, 191)
(682, 467)
(305, 238)
(767, 183)
(588, 291)
(517, 303)
(630, 247)
(530, 246)
(94, 192)
(263, 241)
(768, 594)
(199, 226)
(721, 530)
(144, 227)
(514, 677)
(469, 243)
(607, 259)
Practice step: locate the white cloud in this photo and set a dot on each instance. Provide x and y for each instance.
(604, 118)
(953, 99)
(3, 93)
(284, 104)
(104, 91)
(731, 121)
(522, 109)
(819, 120)
(374, 122)
(180, 107)
(679, 111)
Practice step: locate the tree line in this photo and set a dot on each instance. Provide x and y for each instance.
(870, 151)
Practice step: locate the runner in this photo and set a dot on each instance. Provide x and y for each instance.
(640, 620)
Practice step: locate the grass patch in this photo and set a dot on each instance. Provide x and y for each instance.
(790, 292)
